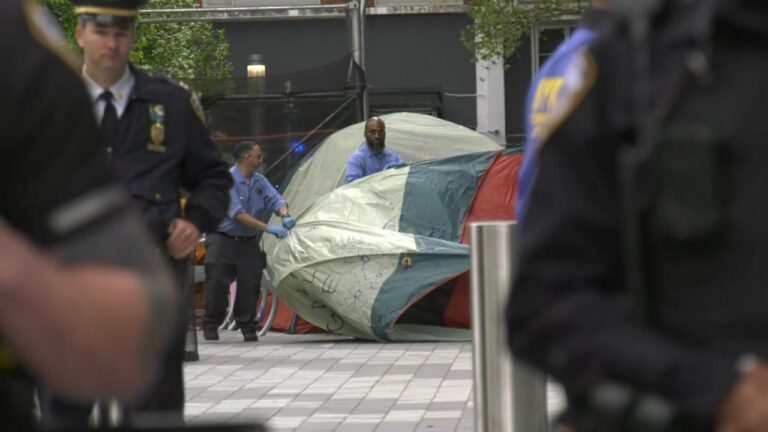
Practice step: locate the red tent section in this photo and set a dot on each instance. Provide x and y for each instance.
(287, 321)
(494, 201)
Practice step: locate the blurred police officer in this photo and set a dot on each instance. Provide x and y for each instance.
(544, 92)
(154, 138)
(679, 224)
(84, 309)
(233, 252)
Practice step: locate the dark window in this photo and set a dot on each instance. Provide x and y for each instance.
(546, 41)
(549, 40)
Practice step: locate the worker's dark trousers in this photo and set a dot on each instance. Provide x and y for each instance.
(228, 259)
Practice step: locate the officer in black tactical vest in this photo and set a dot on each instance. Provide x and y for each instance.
(154, 137)
(651, 188)
(77, 271)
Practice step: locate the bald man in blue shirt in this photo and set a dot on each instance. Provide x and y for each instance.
(373, 156)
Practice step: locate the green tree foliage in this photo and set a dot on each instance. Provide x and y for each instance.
(498, 26)
(179, 50)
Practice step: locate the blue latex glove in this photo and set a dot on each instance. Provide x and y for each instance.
(277, 231)
(288, 222)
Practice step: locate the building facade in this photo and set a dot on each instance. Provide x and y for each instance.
(412, 54)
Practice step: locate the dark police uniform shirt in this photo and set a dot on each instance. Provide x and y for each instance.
(163, 145)
(48, 149)
(705, 230)
(543, 94)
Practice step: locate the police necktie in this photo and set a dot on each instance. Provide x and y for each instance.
(108, 127)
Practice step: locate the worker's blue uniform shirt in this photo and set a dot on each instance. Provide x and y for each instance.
(542, 100)
(252, 197)
(365, 162)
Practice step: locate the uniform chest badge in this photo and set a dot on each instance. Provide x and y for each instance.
(157, 130)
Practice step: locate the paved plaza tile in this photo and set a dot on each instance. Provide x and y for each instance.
(333, 383)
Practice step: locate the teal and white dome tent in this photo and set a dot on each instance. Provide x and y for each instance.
(363, 253)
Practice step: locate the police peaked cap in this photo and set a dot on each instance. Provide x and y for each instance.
(109, 12)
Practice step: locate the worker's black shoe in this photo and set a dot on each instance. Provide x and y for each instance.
(249, 333)
(210, 333)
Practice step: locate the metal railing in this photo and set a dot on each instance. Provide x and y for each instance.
(567, 2)
(272, 13)
(247, 13)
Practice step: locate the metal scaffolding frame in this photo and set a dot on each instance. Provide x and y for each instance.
(273, 13)
(252, 13)
(353, 12)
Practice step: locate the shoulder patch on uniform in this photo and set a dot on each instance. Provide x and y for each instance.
(194, 100)
(555, 98)
(159, 76)
(174, 82)
(44, 28)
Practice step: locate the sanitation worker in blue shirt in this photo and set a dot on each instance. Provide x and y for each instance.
(547, 88)
(233, 252)
(373, 156)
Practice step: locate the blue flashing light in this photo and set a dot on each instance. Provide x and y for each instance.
(299, 149)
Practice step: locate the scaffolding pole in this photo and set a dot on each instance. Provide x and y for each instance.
(356, 26)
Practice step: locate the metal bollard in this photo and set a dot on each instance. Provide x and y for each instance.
(509, 395)
(190, 338)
